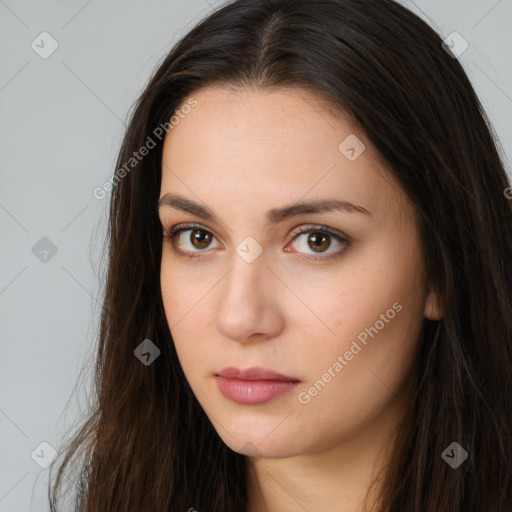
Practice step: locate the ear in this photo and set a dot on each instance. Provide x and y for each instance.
(432, 309)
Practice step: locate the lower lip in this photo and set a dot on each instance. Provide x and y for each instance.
(253, 392)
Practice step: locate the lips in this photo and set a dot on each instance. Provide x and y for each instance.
(254, 373)
(253, 386)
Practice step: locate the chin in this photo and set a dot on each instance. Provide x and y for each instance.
(260, 444)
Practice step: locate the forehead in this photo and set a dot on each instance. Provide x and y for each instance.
(272, 147)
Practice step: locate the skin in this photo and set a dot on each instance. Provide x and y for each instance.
(243, 153)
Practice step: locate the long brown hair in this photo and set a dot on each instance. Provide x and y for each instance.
(146, 443)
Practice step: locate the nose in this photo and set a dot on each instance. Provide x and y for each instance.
(249, 306)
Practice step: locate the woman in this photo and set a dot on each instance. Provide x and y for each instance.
(308, 300)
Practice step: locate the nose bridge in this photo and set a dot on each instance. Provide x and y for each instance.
(246, 305)
(245, 279)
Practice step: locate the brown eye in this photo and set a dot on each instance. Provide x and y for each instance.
(200, 239)
(193, 244)
(317, 240)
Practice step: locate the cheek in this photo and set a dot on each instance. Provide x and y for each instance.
(177, 298)
(375, 312)
(183, 288)
(353, 376)
(342, 303)
(172, 287)
(189, 315)
(375, 330)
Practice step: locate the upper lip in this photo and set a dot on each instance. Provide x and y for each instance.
(253, 373)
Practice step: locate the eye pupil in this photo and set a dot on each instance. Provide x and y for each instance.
(200, 237)
(318, 240)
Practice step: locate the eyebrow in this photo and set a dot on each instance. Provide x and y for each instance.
(273, 216)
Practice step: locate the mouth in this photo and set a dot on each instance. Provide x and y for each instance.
(253, 386)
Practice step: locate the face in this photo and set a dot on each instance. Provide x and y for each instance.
(331, 298)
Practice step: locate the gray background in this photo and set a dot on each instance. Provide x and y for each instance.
(62, 123)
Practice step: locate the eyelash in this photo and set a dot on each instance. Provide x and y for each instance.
(170, 235)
